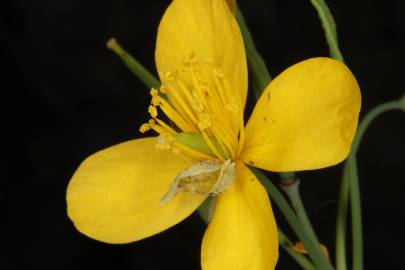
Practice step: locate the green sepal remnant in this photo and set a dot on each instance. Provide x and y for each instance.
(196, 142)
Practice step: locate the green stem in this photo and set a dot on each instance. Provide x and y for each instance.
(329, 27)
(340, 251)
(351, 164)
(292, 190)
(140, 71)
(259, 71)
(287, 245)
(355, 204)
(365, 122)
(313, 249)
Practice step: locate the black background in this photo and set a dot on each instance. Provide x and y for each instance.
(65, 96)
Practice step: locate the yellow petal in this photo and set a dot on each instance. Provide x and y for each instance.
(243, 233)
(115, 194)
(208, 30)
(305, 119)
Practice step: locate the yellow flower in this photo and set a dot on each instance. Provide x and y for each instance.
(305, 119)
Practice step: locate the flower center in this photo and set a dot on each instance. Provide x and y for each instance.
(208, 177)
(200, 100)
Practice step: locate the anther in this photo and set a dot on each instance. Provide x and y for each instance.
(155, 101)
(154, 92)
(170, 75)
(204, 121)
(164, 141)
(144, 128)
(163, 89)
(152, 111)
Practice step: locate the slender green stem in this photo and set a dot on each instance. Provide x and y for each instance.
(292, 190)
(351, 165)
(329, 27)
(259, 71)
(137, 68)
(288, 177)
(355, 204)
(341, 223)
(370, 116)
(314, 250)
(287, 245)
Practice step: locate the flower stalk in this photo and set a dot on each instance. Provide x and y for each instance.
(292, 191)
(340, 250)
(258, 68)
(329, 26)
(315, 253)
(353, 179)
(134, 66)
(287, 245)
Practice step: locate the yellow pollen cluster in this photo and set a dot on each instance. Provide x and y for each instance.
(198, 98)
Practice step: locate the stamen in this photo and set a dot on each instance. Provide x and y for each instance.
(164, 141)
(204, 121)
(225, 141)
(154, 92)
(144, 127)
(175, 117)
(155, 101)
(152, 111)
(165, 127)
(211, 145)
(168, 75)
(163, 89)
(197, 101)
(158, 129)
(175, 97)
(204, 103)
